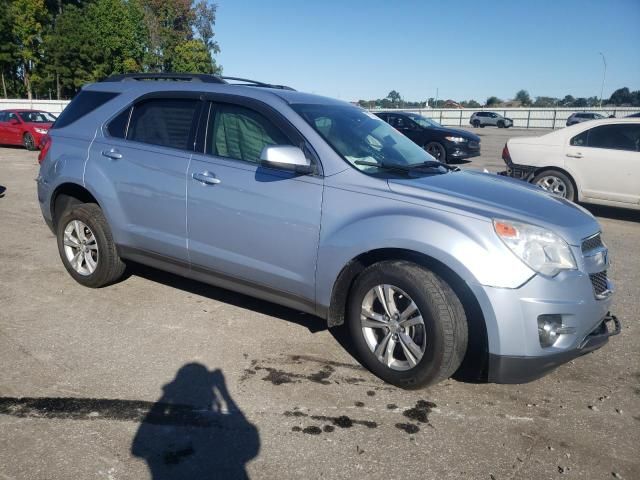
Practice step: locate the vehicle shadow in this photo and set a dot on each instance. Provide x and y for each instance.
(2, 190)
(312, 323)
(196, 430)
(613, 213)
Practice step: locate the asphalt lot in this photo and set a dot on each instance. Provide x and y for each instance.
(97, 369)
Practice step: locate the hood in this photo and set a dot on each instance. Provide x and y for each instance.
(457, 133)
(493, 196)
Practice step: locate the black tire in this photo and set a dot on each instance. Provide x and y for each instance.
(445, 323)
(476, 123)
(482, 125)
(437, 151)
(110, 268)
(566, 180)
(29, 142)
(500, 124)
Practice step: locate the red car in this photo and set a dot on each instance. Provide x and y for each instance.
(24, 127)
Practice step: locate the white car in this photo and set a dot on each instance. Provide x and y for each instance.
(592, 162)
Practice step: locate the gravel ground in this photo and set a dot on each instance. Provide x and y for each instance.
(88, 379)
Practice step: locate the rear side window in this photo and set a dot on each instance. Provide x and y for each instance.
(167, 122)
(118, 126)
(82, 104)
(615, 137)
(241, 133)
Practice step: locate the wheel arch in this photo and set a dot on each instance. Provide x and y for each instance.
(67, 194)
(474, 365)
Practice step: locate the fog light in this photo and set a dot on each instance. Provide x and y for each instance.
(550, 328)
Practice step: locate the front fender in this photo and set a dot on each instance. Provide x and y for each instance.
(466, 245)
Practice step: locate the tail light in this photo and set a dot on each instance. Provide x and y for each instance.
(45, 145)
(505, 154)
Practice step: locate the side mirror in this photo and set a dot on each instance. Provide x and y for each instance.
(286, 157)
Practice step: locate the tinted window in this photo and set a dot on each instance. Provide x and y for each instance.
(83, 103)
(118, 126)
(580, 140)
(37, 117)
(616, 137)
(3, 116)
(166, 122)
(241, 133)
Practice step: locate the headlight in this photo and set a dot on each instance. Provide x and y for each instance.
(456, 139)
(542, 250)
(41, 131)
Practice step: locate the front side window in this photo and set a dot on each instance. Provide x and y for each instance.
(359, 136)
(241, 133)
(615, 137)
(166, 122)
(424, 121)
(580, 140)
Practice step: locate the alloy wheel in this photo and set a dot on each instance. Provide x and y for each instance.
(80, 247)
(553, 184)
(393, 327)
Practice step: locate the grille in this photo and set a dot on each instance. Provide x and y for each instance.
(592, 243)
(599, 282)
(473, 144)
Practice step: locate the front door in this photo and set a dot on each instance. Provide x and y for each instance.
(248, 223)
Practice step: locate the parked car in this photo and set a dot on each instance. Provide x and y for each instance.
(583, 117)
(321, 206)
(442, 143)
(594, 162)
(482, 119)
(24, 127)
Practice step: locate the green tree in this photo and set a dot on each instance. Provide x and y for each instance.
(621, 96)
(192, 56)
(8, 51)
(470, 104)
(493, 100)
(394, 97)
(29, 18)
(567, 101)
(523, 97)
(543, 102)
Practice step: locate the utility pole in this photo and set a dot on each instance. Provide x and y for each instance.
(604, 73)
(436, 102)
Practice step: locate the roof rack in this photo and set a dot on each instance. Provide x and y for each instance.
(254, 83)
(184, 77)
(190, 77)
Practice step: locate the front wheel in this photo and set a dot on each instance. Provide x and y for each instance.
(476, 123)
(555, 182)
(29, 142)
(407, 324)
(500, 124)
(86, 246)
(437, 151)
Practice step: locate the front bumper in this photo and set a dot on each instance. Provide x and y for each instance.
(516, 369)
(461, 151)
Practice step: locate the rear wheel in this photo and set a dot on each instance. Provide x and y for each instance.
(557, 183)
(29, 142)
(407, 324)
(437, 151)
(476, 123)
(86, 246)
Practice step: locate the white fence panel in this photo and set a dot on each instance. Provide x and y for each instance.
(522, 117)
(53, 106)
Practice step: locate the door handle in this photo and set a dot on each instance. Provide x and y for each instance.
(206, 178)
(574, 155)
(112, 153)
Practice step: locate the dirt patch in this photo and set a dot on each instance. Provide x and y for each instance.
(420, 413)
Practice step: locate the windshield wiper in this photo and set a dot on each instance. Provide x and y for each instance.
(407, 168)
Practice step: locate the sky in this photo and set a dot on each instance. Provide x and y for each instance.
(363, 49)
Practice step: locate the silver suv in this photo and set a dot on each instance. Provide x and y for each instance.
(582, 117)
(482, 119)
(318, 205)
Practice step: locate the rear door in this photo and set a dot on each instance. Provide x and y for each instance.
(254, 225)
(142, 161)
(606, 162)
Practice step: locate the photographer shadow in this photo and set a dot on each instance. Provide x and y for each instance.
(196, 430)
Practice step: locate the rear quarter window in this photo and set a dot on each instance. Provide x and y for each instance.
(83, 103)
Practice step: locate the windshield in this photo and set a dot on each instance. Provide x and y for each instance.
(37, 117)
(359, 136)
(424, 121)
